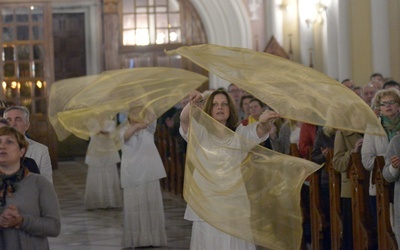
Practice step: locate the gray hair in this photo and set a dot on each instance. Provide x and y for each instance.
(23, 109)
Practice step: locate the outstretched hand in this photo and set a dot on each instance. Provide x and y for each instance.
(266, 121)
(195, 97)
(268, 116)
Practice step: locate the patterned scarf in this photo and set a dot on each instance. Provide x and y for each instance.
(8, 183)
(392, 127)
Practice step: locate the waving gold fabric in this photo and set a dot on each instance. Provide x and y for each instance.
(247, 191)
(73, 102)
(297, 92)
(257, 197)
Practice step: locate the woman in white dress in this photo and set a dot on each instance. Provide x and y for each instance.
(103, 187)
(220, 107)
(141, 170)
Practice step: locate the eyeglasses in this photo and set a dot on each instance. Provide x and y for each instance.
(391, 102)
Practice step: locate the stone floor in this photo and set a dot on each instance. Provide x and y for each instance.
(102, 229)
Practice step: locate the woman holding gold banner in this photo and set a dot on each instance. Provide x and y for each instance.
(141, 171)
(221, 146)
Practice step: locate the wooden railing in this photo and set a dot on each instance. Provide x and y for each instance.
(305, 199)
(384, 196)
(365, 236)
(318, 217)
(364, 230)
(173, 161)
(336, 224)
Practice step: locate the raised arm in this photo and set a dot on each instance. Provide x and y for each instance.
(132, 129)
(194, 97)
(265, 122)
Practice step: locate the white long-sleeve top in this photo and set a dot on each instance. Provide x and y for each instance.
(373, 146)
(140, 161)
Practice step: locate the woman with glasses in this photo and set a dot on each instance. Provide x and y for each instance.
(387, 103)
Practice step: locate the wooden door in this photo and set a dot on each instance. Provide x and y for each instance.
(69, 61)
(69, 45)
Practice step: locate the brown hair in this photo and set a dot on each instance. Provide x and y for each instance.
(243, 98)
(233, 118)
(262, 105)
(22, 143)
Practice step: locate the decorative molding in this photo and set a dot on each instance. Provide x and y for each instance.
(254, 5)
(227, 23)
(111, 6)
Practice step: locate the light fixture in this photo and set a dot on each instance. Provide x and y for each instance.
(39, 84)
(313, 11)
(289, 8)
(253, 7)
(321, 7)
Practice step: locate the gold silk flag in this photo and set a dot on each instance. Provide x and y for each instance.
(76, 105)
(241, 188)
(295, 91)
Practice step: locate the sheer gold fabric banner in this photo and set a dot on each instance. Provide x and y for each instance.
(73, 102)
(242, 188)
(297, 92)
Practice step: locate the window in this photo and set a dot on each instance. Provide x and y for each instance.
(147, 22)
(148, 27)
(22, 61)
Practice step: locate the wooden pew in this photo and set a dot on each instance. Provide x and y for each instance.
(162, 146)
(384, 195)
(180, 170)
(294, 151)
(363, 230)
(318, 220)
(172, 161)
(177, 167)
(336, 223)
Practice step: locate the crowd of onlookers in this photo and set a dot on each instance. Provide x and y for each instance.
(313, 142)
(26, 164)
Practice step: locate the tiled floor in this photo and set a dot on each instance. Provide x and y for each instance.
(102, 229)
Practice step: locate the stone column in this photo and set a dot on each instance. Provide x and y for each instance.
(380, 37)
(111, 34)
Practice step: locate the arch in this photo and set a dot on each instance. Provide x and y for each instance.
(226, 23)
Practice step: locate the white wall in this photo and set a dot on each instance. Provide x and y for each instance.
(227, 23)
(380, 37)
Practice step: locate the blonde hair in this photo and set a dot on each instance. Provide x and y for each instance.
(385, 92)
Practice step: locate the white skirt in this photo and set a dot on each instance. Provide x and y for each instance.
(144, 222)
(103, 187)
(206, 237)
